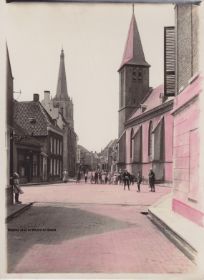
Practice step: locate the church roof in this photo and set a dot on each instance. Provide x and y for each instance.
(151, 101)
(61, 92)
(133, 53)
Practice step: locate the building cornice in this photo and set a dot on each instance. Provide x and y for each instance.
(161, 109)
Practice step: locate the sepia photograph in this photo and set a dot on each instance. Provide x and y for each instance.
(103, 140)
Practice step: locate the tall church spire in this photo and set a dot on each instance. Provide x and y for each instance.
(133, 53)
(62, 93)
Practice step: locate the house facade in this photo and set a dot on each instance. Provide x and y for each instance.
(44, 163)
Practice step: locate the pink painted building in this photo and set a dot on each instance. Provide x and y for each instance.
(145, 120)
(149, 137)
(188, 191)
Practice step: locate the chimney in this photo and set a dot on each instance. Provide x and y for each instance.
(36, 97)
(46, 95)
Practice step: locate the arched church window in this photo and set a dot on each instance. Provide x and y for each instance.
(134, 74)
(131, 142)
(140, 74)
(150, 135)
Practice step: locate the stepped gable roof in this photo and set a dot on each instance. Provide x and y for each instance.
(133, 52)
(61, 92)
(152, 100)
(31, 116)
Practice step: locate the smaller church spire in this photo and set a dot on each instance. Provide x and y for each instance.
(62, 93)
(133, 9)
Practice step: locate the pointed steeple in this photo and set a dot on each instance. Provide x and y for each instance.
(133, 53)
(62, 93)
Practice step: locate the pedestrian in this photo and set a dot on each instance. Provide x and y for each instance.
(139, 180)
(151, 180)
(16, 187)
(126, 179)
(85, 177)
(106, 178)
(96, 177)
(65, 176)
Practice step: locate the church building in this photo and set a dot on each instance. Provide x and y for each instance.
(60, 108)
(145, 122)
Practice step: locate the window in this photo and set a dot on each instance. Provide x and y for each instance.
(50, 166)
(61, 148)
(51, 146)
(140, 74)
(54, 146)
(131, 142)
(35, 165)
(150, 135)
(134, 74)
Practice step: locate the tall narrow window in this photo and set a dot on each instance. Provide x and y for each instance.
(140, 74)
(121, 88)
(51, 146)
(131, 142)
(150, 139)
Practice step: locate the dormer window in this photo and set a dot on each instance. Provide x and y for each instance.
(32, 120)
(143, 107)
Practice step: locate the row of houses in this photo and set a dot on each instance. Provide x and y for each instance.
(41, 141)
(86, 160)
(160, 128)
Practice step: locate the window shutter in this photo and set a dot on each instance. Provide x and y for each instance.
(169, 61)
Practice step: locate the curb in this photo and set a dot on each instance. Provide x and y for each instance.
(188, 250)
(18, 212)
(45, 183)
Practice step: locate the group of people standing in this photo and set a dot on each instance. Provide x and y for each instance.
(127, 180)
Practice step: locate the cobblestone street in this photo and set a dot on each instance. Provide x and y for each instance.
(78, 228)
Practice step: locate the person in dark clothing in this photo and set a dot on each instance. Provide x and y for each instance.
(152, 180)
(85, 177)
(96, 177)
(16, 187)
(139, 181)
(126, 179)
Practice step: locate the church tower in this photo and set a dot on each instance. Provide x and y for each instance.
(62, 99)
(134, 75)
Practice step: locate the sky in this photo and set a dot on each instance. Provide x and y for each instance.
(93, 37)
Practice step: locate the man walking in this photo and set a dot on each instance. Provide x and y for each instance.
(139, 181)
(126, 179)
(152, 180)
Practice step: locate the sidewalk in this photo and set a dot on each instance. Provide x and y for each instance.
(16, 209)
(186, 235)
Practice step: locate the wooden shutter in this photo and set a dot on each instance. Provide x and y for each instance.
(169, 61)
